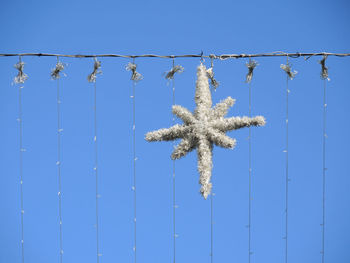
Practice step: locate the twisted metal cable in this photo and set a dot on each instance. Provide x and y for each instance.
(201, 55)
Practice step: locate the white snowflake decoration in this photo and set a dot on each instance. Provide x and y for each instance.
(203, 128)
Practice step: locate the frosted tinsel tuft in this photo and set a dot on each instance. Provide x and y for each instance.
(251, 66)
(203, 128)
(55, 72)
(135, 75)
(176, 69)
(324, 71)
(291, 74)
(213, 81)
(21, 76)
(97, 70)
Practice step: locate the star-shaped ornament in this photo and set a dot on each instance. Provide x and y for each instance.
(203, 128)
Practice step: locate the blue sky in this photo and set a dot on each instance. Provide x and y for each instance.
(181, 27)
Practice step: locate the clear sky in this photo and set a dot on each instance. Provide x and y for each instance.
(176, 27)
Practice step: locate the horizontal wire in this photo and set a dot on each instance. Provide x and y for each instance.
(213, 56)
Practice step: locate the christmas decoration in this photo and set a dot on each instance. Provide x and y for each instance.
(203, 128)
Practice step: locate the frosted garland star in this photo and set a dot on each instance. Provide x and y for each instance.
(203, 128)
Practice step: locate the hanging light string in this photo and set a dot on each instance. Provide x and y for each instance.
(135, 77)
(214, 84)
(170, 76)
(290, 75)
(251, 66)
(92, 78)
(174, 185)
(20, 79)
(324, 76)
(55, 75)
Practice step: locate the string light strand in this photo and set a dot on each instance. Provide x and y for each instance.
(179, 70)
(170, 76)
(214, 85)
(290, 75)
(20, 79)
(287, 166)
(135, 77)
(58, 163)
(92, 78)
(211, 229)
(251, 66)
(324, 76)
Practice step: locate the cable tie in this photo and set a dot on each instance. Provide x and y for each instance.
(21, 76)
(135, 76)
(55, 72)
(97, 65)
(251, 66)
(324, 70)
(213, 82)
(176, 69)
(287, 68)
